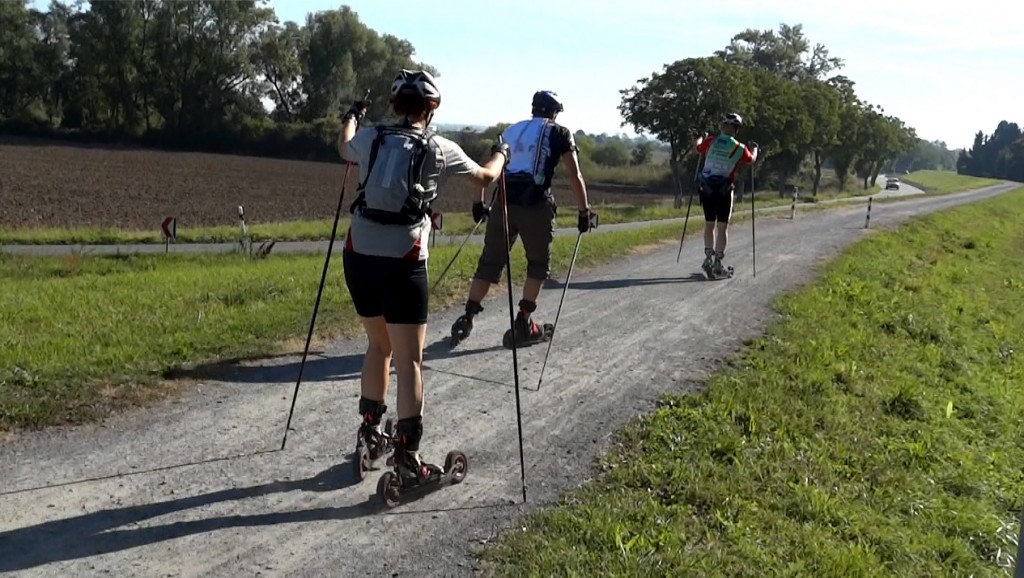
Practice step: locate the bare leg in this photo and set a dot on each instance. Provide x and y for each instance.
(377, 362)
(531, 290)
(722, 238)
(709, 234)
(407, 341)
(478, 290)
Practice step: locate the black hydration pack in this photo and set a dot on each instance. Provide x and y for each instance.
(396, 193)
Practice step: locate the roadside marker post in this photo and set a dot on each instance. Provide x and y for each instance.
(867, 220)
(436, 224)
(243, 228)
(169, 229)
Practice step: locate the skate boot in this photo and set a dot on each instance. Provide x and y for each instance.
(527, 331)
(718, 270)
(372, 440)
(463, 326)
(410, 471)
(709, 259)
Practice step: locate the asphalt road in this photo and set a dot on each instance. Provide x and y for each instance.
(321, 246)
(196, 486)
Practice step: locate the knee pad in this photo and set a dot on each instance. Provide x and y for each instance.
(410, 431)
(527, 306)
(371, 410)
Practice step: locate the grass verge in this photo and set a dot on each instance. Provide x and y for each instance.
(83, 335)
(874, 431)
(946, 182)
(645, 208)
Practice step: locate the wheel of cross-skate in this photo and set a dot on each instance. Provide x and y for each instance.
(390, 429)
(389, 489)
(362, 461)
(456, 463)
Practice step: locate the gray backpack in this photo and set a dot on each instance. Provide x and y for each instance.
(403, 187)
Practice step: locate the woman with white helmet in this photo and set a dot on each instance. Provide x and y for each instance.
(402, 168)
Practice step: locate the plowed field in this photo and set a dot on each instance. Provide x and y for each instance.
(58, 184)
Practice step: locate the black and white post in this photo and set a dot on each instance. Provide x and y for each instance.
(867, 220)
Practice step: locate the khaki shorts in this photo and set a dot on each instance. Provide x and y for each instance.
(536, 225)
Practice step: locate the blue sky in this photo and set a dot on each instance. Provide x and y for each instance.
(947, 72)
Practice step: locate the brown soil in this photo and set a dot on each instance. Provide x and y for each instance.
(57, 184)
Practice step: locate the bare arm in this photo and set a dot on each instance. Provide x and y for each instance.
(488, 172)
(348, 130)
(579, 187)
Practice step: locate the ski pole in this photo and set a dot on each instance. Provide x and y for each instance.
(572, 262)
(753, 219)
(696, 180)
(494, 197)
(316, 304)
(512, 322)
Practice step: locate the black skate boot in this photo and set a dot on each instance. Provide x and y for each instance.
(372, 441)
(527, 331)
(719, 271)
(709, 259)
(410, 472)
(463, 326)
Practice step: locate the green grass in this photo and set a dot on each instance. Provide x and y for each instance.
(945, 182)
(84, 334)
(874, 431)
(649, 175)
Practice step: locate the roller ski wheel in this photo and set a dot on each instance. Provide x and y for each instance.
(393, 488)
(461, 329)
(547, 330)
(371, 446)
(727, 274)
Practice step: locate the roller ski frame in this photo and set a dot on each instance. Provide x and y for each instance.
(710, 275)
(547, 328)
(393, 489)
(369, 451)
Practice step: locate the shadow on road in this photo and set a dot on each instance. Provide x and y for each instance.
(620, 283)
(318, 368)
(95, 533)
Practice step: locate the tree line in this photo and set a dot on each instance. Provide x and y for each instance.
(997, 156)
(196, 75)
(793, 103)
(192, 74)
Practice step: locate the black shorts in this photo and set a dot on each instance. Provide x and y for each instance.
(716, 200)
(389, 286)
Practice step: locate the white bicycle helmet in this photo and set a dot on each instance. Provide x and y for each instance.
(733, 119)
(418, 82)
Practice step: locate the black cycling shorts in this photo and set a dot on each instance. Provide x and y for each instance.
(389, 286)
(716, 200)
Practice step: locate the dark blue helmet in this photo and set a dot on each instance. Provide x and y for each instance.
(546, 102)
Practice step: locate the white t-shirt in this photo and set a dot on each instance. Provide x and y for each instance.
(371, 238)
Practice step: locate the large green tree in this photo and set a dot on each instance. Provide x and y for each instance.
(684, 101)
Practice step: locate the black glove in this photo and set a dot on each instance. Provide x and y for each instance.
(357, 110)
(587, 220)
(503, 149)
(480, 211)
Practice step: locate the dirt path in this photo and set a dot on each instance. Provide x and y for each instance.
(206, 493)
